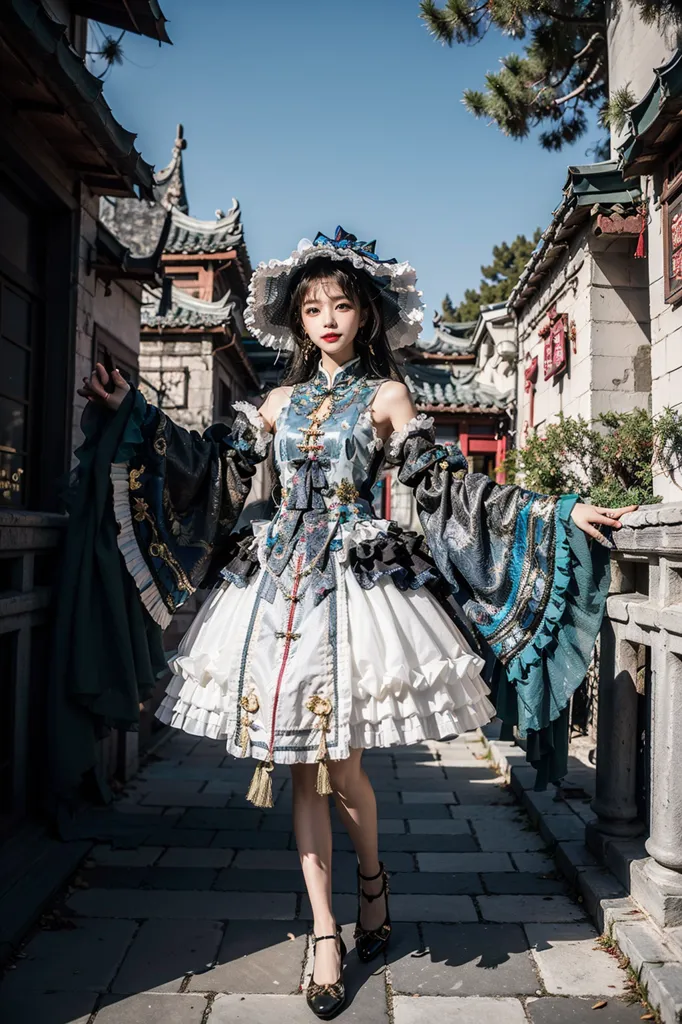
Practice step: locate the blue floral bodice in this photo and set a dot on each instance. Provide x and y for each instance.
(344, 445)
(328, 455)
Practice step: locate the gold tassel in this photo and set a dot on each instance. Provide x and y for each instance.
(323, 784)
(322, 708)
(260, 790)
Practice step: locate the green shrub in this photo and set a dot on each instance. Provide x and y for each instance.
(610, 462)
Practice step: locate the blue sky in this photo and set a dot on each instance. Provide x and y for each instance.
(313, 113)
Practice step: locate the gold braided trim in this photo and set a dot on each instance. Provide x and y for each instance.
(250, 705)
(157, 548)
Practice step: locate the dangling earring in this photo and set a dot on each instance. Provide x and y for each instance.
(306, 344)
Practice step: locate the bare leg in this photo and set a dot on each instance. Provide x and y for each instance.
(357, 808)
(314, 841)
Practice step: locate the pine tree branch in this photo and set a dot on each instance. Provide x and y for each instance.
(567, 19)
(582, 87)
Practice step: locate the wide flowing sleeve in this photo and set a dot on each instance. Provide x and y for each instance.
(534, 584)
(150, 508)
(177, 496)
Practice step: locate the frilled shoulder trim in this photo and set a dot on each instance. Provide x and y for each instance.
(554, 663)
(420, 424)
(249, 430)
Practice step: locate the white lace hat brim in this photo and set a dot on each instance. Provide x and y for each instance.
(401, 291)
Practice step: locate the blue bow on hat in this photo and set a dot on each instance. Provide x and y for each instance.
(344, 240)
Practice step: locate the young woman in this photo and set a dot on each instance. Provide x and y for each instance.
(332, 630)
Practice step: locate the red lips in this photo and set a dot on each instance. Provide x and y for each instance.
(330, 337)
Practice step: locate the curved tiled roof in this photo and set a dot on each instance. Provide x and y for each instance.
(189, 235)
(449, 339)
(439, 387)
(180, 311)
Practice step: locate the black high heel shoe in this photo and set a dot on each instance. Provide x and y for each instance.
(326, 1000)
(369, 942)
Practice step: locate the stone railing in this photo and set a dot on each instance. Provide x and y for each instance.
(639, 736)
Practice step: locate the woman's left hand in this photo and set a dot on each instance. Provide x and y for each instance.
(585, 516)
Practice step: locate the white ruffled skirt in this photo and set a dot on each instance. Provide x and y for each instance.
(391, 663)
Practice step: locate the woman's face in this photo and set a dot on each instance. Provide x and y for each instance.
(330, 320)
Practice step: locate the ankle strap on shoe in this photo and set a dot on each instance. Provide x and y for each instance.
(372, 878)
(320, 938)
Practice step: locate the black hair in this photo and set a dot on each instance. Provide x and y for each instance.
(371, 342)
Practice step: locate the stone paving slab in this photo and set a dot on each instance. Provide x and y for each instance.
(530, 908)
(439, 827)
(141, 857)
(429, 842)
(250, 840)
(252, 959)
(151, 878)
(462, 1009)
(462, 960)
(259, 1009)
(492, 792)
(464, 862)
(459, 882)
(511, 838)
(552, 1010)
(429, 797)
(537, 863)
(153, 1008)
(22, 1006)
(180, 857)
(570, 964)
(163, 952)
(521, 882)
(170, 798)
(221, 906)
(82, 959)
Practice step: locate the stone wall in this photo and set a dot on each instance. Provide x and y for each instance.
(119, 313)
(178, 375)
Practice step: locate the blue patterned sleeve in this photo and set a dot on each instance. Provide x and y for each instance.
(535, 585)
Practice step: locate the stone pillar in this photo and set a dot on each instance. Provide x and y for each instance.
(614, 801)
(657, 883)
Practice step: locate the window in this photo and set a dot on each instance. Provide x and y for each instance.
(671, 202)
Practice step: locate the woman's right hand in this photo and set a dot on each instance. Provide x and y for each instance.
(94, 388)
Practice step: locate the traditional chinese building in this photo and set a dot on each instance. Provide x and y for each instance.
(582, 305)
(464, 376)
(193, 361)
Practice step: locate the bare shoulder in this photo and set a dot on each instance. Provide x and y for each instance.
(392, 404)
(273, 405)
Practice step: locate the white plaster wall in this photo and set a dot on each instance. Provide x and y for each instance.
(605, 292)
(635, 49)
(666, 338)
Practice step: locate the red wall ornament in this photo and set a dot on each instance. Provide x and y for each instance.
(555, 336)
(530, 376)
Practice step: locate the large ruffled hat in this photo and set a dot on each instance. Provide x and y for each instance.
(267, 306)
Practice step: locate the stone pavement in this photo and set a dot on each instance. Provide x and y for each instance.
(195, 911)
